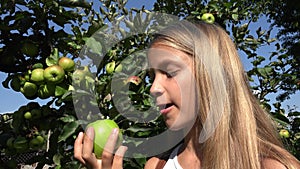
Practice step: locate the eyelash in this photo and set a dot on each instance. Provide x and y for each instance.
(170, 74)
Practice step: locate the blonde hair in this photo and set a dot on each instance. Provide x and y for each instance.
(235, 131)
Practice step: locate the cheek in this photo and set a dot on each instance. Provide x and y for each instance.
(187, 89)
(188, 97)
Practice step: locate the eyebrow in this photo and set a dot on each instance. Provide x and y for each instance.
(168, 62)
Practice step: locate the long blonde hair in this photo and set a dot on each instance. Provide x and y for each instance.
(234, 131)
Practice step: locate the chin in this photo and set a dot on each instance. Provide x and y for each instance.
(180, 125)
(176, 127)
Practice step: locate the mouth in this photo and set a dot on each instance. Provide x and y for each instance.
(165, 108)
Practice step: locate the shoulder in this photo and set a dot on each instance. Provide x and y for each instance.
(269, 163)
(152, 163)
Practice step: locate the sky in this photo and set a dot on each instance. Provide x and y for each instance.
(11, 100)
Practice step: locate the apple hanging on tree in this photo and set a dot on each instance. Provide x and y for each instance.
(110, 67)
(208, 18)
(54, 74)
(66, 63)
(284, 133)
(37, 75)
(29, 89)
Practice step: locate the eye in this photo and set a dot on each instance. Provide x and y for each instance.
(151, 74)
(170, 74)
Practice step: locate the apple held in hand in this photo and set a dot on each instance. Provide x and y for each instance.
(54, 74)
(103, 129)
(67, 64)
(208, 18)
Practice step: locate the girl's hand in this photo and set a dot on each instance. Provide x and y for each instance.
(83, 151)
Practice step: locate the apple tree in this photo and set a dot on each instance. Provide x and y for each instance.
(53, 50)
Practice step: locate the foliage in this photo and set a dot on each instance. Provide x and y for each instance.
(36, 34)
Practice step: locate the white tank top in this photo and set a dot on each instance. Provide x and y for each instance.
(172, 162)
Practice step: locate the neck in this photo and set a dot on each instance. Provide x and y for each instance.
(191, 142)
(190, 153)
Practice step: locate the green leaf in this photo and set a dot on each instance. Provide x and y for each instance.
(235, 17)
(60, 90)
(56, 159)
(138, 129)
(68, 119)
(5, 83)
(37, 65)
(68, 130)
(53, 58)
(296, 113)
(265, 72)
(94, 45)
(281, 118)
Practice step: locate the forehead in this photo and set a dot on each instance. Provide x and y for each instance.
(162, 55)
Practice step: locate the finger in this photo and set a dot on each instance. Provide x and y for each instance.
(87, 150)
(118, 159)
(78, 148)
(107, 155)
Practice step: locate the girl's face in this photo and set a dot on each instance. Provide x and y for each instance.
(173, 86)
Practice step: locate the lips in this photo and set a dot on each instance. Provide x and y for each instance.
(165, 108)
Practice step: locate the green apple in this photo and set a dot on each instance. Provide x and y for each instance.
(208, 18)
(36, 142)
(40, 139)
(119, 68)
(29, 89)
(54, 74)
(80, 74)
(110, 67)
(67, 64)
(284, 133)
(29, 48)
(27, 115)
(37, 75)
(27, 76)
(103, 129)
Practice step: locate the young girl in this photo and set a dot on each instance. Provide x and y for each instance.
(201, 88)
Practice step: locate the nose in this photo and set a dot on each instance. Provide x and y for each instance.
(156, 88)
